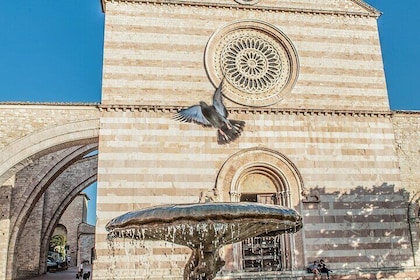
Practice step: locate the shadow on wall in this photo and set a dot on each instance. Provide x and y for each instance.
(363, 229)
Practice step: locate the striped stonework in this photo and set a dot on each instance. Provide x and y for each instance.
(154, 54)
(332, 135)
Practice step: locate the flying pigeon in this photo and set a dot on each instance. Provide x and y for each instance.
(213, 116)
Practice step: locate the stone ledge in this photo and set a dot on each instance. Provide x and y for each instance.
(371, 12)
(249, 110)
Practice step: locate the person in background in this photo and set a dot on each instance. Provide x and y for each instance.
(314, 269)
(322, 267)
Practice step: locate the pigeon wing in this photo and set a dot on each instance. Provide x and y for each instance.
(218, 101)
(192, 114)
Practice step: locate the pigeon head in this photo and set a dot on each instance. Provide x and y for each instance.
(203, 104)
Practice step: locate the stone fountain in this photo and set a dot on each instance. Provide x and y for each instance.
(205, 228)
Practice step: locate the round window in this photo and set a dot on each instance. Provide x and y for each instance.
(258, 61)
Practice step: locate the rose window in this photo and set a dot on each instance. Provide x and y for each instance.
(251, 64)
(258, 62)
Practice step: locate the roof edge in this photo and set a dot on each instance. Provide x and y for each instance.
(370, 11)
(368, 7)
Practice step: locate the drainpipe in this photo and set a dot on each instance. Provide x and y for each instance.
(412, 215)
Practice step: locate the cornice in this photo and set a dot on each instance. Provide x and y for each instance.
(370, 11)
(250, 110)
(368, 7)
(237, 110)
(406, 112)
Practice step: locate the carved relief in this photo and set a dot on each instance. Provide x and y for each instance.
(209, 196)
(310, 196)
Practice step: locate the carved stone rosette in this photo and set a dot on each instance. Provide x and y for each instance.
(258, 61)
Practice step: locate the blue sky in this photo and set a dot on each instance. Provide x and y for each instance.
(51, 51)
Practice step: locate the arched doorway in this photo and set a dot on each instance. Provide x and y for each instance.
(58, 243)
(265, 176)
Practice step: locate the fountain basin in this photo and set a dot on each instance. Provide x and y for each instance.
(192, 224)
(205, 228)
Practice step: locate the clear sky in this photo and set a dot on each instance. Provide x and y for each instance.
(51, 51)
(399, 30)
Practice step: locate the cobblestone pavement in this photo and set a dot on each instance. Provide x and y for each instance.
(62, 275)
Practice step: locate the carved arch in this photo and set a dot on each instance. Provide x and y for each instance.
(272, 163)
(288, 184)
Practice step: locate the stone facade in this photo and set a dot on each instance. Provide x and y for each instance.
(334, 126)
(329, 146)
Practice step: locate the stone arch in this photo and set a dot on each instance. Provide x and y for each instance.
(281, 177)
(62, 160)
(21, 152)
(43, 179)
(61, 229)
(83, 182)
(273, 164)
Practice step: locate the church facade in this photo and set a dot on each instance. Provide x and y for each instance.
(307, 79)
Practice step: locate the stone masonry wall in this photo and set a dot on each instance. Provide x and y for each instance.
(153, 54)
(29, 245)
(364, 227)
(86, 245)
(5, 195)
(20, 119)
(334, 126)
(407, 141)
(147, 159)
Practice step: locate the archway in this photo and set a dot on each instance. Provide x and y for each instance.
(57, 243)
(266, 176)
(34, 163)
(55, 179)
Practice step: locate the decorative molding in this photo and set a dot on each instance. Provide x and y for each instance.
(405, 112)
(252, 110)
(371, 12)
(238, 110)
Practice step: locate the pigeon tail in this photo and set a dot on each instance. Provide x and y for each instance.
(229, 133)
